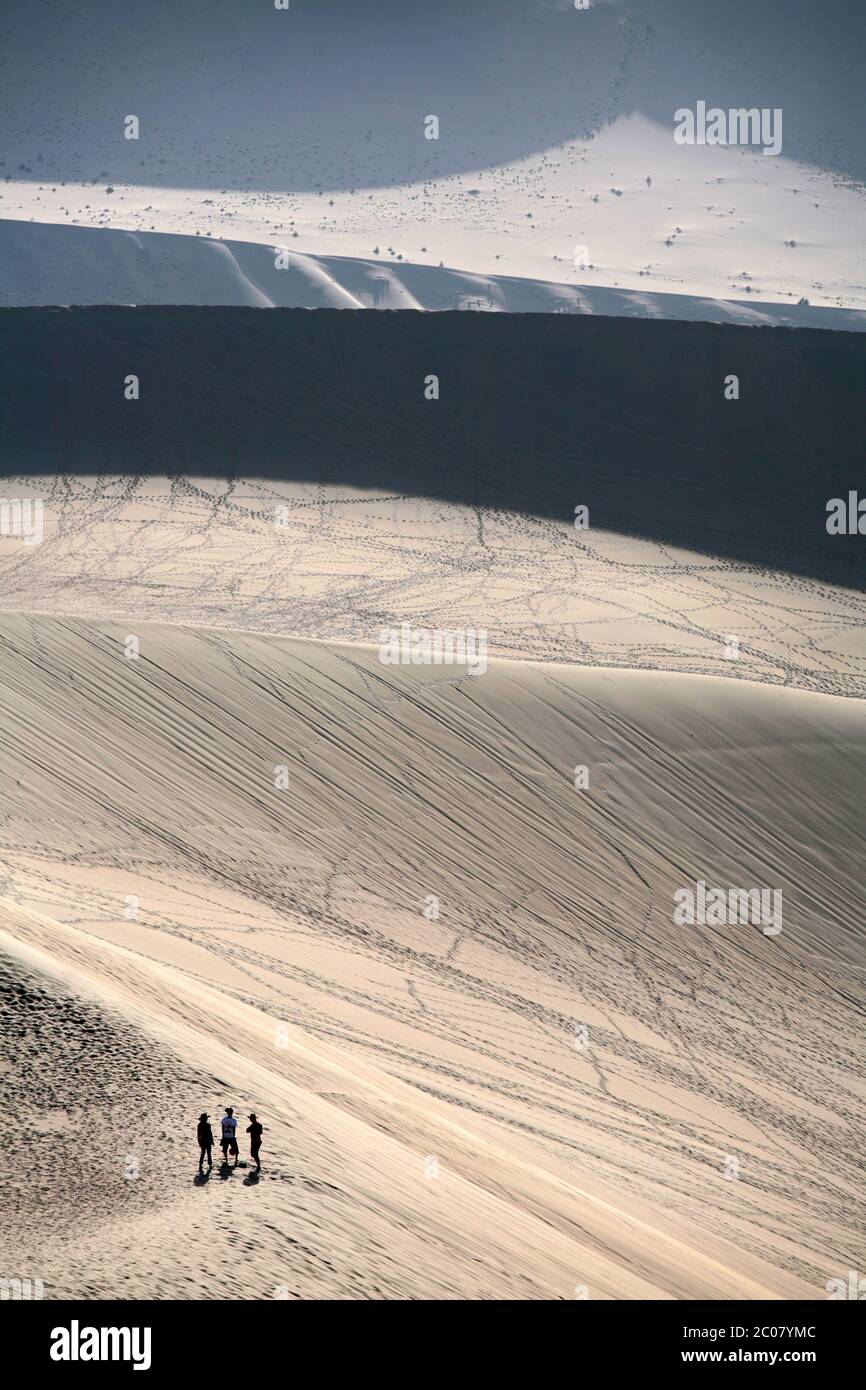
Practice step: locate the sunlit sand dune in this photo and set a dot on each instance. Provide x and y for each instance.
(43, 263)
(369, 903)
(433, 655)
(343, 563)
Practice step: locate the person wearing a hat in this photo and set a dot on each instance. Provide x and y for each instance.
(205, 1139)
(254, 1130)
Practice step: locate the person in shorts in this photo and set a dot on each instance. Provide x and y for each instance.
(229, 1143)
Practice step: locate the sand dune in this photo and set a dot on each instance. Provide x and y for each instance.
(48, 264)
(327, 97)
(555, 138)
(280, 948)
(442, 926)
(535, 414)
(353, 1206)
(342, 563)
(370, 902)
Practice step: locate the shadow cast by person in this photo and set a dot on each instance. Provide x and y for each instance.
(201, 1178)
(252, 1179)
(225, 1170)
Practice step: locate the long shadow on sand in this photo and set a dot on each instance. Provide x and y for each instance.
(535, 413)
(336, 97)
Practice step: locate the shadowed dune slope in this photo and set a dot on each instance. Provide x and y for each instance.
(224, 93)
(536, 413)
(430, 945)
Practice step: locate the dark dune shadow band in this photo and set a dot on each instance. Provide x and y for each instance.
(537, 413)
(335, 94)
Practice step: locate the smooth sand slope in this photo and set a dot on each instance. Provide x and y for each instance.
(581, 1069)
(343, 563)
(43, 263)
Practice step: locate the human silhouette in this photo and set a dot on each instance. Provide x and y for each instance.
(254, 1130)
(205, 1139)
(229, 1143)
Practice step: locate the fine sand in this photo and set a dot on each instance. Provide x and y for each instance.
(328, 561)
(420, 918)
(488, 1061)
(550, 181)
(45, 263)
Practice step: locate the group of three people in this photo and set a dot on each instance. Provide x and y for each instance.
(228, 1143)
